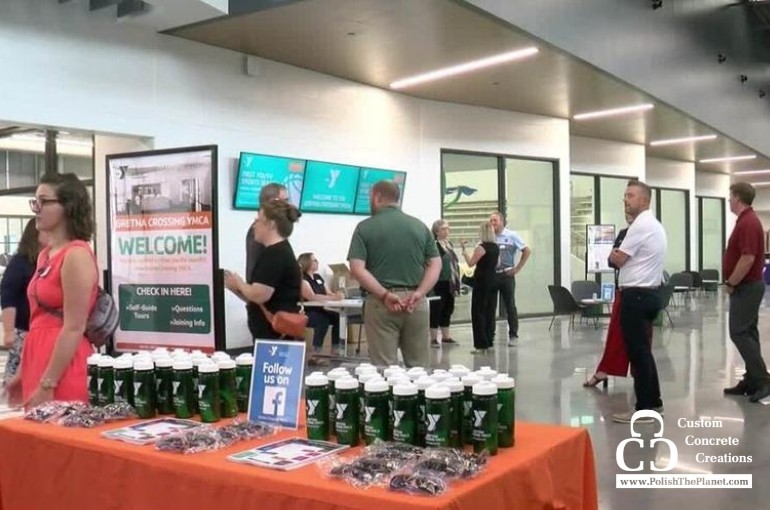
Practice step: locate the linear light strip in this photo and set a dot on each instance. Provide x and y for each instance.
(614, 111)
(466, 67)
(673, 141)
(729, 158)
(752, 172)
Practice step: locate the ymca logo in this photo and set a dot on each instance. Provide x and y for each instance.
(176, 384)
(467, 408)
(201, 387)
(635, 438)
(99, 383)
(478, 418)
(273, 350)
(433, 420)
(341, 411)
(118, 387)
(311, 406)
(369, 412)
(397, 417)
(137, 385)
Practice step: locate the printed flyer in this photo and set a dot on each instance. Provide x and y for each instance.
(162, 250)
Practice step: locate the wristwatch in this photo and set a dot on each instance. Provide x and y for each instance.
(48, 384)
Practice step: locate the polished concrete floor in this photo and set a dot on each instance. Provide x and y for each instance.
(695, 359)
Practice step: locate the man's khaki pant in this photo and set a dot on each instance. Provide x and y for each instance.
(386, 332)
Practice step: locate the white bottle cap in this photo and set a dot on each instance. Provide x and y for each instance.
(458, 367)
(486, 373)
(123, 363)
(126, 355)
(368, 376)
(337, 373)
(197, 352)
(425, 382)
(183, 364)
(441, 375)
(164, 362)
(226, 364)
(208, 368)
(455, 385)
(485, 388)
(391, 371)
(471, 380)
(143, 364)
(93, 359)
(365, 370)
(106, 362)
(376, 385)
(220, 355)
(160, 350)
(414, 375)
(397, 366)
(317, 372)
(405, 389)
(346, 383)
(142, 355)
(244, 359)
(504, 382)
(316, 379)
(437, 391)
(160, 354)
(398, 379)
(199, 360)
(459, 372)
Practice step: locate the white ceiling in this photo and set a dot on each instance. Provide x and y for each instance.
(379, 41)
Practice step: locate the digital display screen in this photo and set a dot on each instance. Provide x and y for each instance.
(256, 170)
(329, 188)
(368, 177)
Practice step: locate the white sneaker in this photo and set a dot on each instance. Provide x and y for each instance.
(626, 418)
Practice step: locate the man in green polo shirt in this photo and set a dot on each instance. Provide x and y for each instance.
(394, 258)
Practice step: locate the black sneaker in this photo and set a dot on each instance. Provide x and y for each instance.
(742, 388)
(761, 393)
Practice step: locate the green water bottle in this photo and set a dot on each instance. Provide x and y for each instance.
(317, 406)
(244, 364)
(124, 380)
(468, 382)
(486, 373)
(405, 413)
(437, 415)
(362, 380)
(228, 388)
(208, 393)
(197, 361)
(182, 389)
(164, 390)
(346, 411)
(333, 375)
(144, 388)
(456, 399)
(485, 417)
(506, 410)
(106, 380)
(376, 410)
(423, 383)
(393, 380)
(92, 367)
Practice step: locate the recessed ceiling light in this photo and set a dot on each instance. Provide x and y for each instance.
(730, 158)
(466, 67)
(614, 111)
(673, 141)
(764, 183)
(752, 172)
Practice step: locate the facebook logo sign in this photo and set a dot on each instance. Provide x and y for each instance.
(277, 382)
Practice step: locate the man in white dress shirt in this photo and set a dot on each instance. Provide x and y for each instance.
(640, 258)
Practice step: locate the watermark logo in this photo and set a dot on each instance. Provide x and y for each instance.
(636, 438)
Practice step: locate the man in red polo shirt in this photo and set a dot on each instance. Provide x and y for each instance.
(742, 270)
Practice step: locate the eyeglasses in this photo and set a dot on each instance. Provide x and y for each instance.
(37, 204)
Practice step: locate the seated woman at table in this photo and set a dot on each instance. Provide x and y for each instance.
(314, 288)
(276, 278)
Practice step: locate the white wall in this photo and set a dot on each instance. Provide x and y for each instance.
(595, 156)
(16, 206)
(667, 173)
(116, 78)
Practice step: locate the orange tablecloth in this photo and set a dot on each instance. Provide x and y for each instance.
(47, 466)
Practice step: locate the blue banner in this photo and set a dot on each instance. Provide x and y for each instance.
(276, 384)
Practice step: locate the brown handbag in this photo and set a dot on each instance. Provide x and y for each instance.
(287, 324)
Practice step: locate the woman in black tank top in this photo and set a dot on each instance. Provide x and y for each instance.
(314, 289)
(484, 257)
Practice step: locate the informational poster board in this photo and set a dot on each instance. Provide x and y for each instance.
(163, 247)
(276, 382)
(599, 240)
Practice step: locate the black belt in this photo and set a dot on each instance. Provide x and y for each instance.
(646, 289)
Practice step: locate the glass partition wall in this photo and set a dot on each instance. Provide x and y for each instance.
(526, 190)
(711, 233)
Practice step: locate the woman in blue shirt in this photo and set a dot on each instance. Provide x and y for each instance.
(13, 296)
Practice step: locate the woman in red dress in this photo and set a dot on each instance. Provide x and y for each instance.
(61, 294)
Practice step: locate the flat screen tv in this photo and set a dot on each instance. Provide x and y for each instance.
(256, 170)
(367, 178)
(329, 188)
